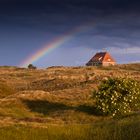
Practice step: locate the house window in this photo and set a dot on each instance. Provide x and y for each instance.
(100, 58)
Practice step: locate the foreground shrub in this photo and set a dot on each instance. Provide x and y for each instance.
(117, 96)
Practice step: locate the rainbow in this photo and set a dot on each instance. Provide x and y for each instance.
(56, 43)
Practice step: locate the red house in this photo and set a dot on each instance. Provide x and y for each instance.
(101, 59)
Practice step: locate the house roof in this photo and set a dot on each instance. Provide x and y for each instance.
(102, 57)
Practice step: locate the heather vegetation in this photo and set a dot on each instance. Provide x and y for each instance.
(57, 103)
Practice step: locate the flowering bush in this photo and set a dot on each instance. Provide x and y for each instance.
(117, 96)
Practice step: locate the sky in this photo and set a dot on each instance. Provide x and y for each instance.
(26, 26)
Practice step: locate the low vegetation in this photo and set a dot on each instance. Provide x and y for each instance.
(56, 103)
(5, 90)
(106, 130)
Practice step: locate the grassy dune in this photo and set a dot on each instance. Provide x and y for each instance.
(55, 103)
(113, 130)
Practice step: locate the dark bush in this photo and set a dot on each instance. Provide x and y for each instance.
(31, 66)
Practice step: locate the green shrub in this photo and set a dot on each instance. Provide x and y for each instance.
(117, 96)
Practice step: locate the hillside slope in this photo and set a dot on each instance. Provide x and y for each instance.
(55, 95)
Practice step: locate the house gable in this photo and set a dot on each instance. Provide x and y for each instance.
(102, 58)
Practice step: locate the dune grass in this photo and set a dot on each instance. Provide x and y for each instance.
(5, 90)
(56, 104)
(127, 128)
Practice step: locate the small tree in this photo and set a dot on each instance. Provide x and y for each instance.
(117, 96)
(31, 66)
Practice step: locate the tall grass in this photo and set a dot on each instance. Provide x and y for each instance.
(113, 130)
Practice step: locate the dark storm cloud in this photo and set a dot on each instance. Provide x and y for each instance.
(61, 12)
(113, 18)
(54, 5)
